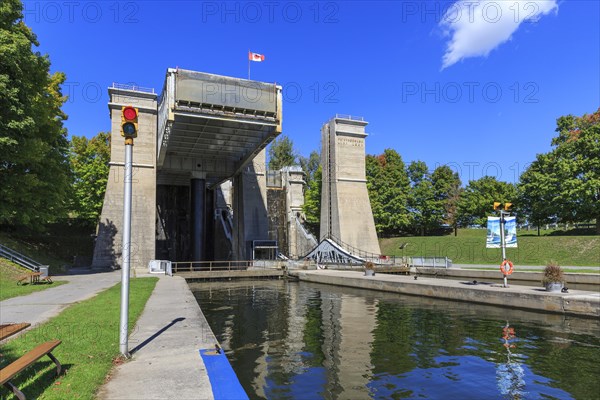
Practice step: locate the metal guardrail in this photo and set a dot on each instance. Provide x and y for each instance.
(350, 117)
(209, 266)
(430, 262)
(132, 87)
(367, 256)
(20, 259)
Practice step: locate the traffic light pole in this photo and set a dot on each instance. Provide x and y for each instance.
(503, 244)
(126, 254)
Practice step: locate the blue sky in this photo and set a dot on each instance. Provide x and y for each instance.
(475, 84)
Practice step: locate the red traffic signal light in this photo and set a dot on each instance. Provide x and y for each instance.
(129, 113)
(129, 121)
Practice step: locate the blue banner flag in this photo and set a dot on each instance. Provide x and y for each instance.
(493, 232)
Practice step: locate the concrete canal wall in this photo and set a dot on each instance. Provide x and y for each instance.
(534, 277)
(576, 302)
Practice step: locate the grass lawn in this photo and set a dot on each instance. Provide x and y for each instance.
(469, 248)
(90, 345)
(8, 281)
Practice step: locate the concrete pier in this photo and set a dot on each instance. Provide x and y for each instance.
(576, 302)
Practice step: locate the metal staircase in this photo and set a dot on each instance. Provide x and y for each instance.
(20, 259)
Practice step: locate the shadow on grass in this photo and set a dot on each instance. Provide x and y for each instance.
(157, 334)
(570, 232)
(33, 383)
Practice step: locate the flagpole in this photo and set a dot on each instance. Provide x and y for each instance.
(248, 64)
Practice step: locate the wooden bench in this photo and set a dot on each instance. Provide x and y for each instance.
(9, 372)
(7, 330)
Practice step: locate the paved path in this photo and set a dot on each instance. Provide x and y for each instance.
(39, 307)
(165, 345)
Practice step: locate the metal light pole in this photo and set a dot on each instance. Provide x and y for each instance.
(503, 245)
(124, 329)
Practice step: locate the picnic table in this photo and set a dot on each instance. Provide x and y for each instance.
(7, 330)
(34, 278)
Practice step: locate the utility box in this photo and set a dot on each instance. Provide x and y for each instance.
(159, 267)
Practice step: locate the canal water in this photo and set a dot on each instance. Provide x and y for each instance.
(297, 340)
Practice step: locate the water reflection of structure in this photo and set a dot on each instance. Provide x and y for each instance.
(295, 340)
(348, 323)
(510, 375)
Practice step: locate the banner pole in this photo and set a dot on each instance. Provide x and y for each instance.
(503, 244)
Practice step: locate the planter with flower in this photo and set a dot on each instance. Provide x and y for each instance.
(553, 279)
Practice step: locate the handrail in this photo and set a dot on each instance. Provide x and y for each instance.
(361, 253)
(350, 117)
(210, 266)
(134, 88)
(430, 262)
(20, 259)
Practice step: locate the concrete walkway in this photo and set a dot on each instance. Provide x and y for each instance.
(524, 267)
(39, 307)
(165, 345)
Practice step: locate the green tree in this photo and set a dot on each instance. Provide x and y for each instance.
(477, 200)
(312, 202)
(447, 190)
(312, 193)
(564, 183)
(282, 153)
(310, 165)
(34, 168)
(537, 198)
(89, 163)
(388, 186)
(576, 169)
(426, 210)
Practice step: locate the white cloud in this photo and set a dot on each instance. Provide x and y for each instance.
(478, 27)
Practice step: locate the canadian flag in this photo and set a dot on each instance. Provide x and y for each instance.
(255, 57)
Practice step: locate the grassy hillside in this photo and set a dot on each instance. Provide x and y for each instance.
(8, 281)
(469, 248)
(57, 246)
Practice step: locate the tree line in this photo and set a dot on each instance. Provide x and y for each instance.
(44, 176)
(562, 185)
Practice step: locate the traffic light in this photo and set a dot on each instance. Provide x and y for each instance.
(507, 206)
(497, 205)
(129, 121)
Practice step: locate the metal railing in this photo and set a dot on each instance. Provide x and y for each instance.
(20, 259)
(350, 117)
(430, 262)
(367, 256)
(210, 266)
(134, 88)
